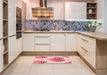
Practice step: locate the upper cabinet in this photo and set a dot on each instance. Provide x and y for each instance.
(12, 17)
(75, 10)
(91, 10)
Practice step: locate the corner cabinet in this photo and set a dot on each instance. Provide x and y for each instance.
(58, 41)
(75, 10)
(87, 49)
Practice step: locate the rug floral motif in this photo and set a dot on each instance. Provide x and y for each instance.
(52, 60)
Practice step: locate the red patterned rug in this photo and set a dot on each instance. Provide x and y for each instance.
(52, 60)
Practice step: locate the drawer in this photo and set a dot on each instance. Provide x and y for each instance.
(42, 47)
(84, 51)
(86, 42)
(42, 40)
(42, 34)
(84, 39)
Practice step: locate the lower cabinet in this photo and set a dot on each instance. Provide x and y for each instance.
(28, 42)
(58, 41)
(49, 42)
(42, 42)
(1, 55)
(12, 48)
(87, 48)
(19, 45)
(71, 42)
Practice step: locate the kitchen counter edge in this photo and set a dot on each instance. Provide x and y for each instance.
(96, 35)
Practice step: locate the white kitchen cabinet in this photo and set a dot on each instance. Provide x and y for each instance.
(87, 48)
(75, 10)
(12, 17)
(42, 42)
(1, 55)
(1, 61)
(71, 42)
(92, 52)
(58, 41)
(19, 45)
(1, 16)
(28, 42)
(12, 48)
(42, 47)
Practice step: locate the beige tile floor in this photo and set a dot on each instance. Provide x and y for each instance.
(24, 66)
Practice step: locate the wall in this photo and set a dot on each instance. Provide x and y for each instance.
(48, 25)
(100, 9)
(57, 4)
(100, 13)
(23, 15)
(105, 16)
(58, 8)
(29, 5)
(19, 3)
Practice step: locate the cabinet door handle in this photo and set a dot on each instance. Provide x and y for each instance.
(85, 40)
(84, 49)
(42, 44)
(12, 35)
(42, 36)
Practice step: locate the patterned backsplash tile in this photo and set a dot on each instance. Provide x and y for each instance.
(48, 25)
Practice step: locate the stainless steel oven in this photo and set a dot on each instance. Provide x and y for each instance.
(18, 23)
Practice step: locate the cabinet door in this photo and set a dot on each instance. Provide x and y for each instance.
(71, 42)
(75, 10)
(28, 42)
(1, 62)
(57, 42)
(12, 48)
(12, 17)
(19, 45)
(1, 10)
(1, 55)
(92, 52)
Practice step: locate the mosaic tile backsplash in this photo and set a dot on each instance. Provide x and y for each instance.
(48, 25)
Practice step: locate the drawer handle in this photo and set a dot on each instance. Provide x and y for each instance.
(42, 44)
(42, 36)
(84, 40)
(84, 49)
